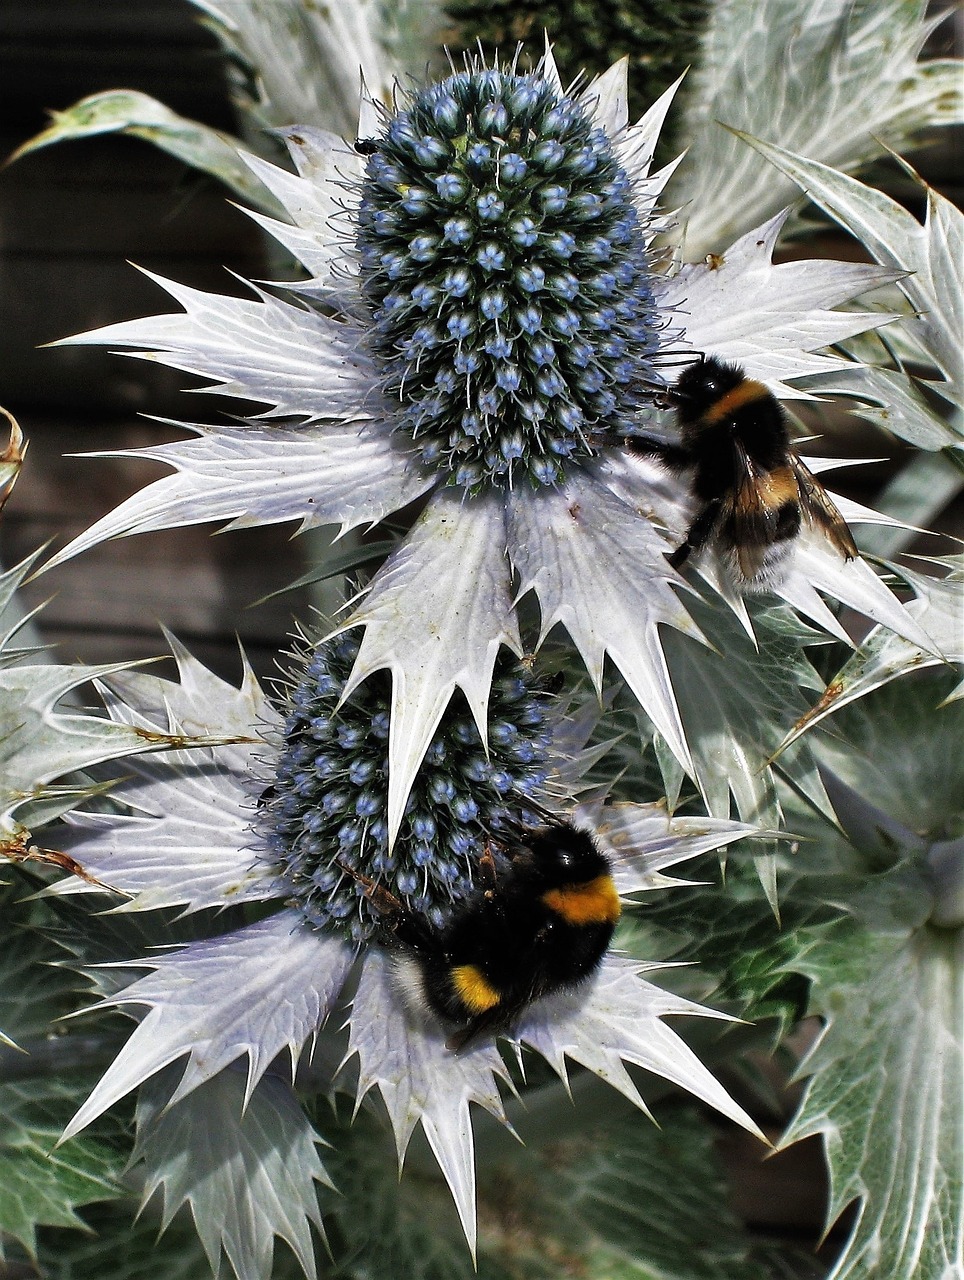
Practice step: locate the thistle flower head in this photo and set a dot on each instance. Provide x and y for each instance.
(504, 261)
(325, 824)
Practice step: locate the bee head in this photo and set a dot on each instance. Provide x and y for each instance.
(560, 855)
(702, 384)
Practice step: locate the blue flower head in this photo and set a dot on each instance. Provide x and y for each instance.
(323, 821)
(506, 268)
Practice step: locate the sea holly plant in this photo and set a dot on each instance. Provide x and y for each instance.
(489, 302)
(884, 1077)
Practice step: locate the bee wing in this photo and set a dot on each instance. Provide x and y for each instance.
(752, 520)
(819, 509)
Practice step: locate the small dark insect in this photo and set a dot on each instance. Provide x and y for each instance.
(542, 926)
(753, 492)
(365, 146)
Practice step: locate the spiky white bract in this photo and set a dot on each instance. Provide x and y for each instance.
(354, 354)
(240, 999)
(41, 742)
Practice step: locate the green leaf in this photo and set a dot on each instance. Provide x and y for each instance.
(43, 1078)
(34, 990)
(885, 1093)
(140, 116)
(636, 1201)
(40, 1183)
(736, 705)
(596, 1192)
(248, 1174)
(830, 80)
(727, 928)
(899, 749)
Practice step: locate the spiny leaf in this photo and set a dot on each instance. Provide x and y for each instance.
(586, 1196)
(39, 743)
(304, 59)
(140, 116)
(736, 705)
(906, 712)
(246, 1167)
(118, 1247)
(34, 991)
(727, 928)
(41, 1183)
(931, 254)
(42, 1079)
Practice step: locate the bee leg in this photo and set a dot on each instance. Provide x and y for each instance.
(697, 535)
(487, 873)
(399, 922)
(673, 456)
(384, 902)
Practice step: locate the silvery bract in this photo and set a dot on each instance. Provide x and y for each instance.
(199, 831)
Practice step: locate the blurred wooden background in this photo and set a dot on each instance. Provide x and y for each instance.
(72, 219)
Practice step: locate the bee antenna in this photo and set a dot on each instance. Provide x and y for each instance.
(549, 817)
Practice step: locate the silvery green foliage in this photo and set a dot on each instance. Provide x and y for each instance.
(300, 62)
(247, 1168)
(759, 65)
(41, 1184)
(883, 656)
(884, 1077)
(615, 1194)
(41, 741)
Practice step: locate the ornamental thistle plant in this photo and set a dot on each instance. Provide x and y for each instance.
(489, 288)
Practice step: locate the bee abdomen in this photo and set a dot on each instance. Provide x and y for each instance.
(473, 989)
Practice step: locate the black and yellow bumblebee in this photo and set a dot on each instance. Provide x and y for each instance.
(541, 926)
(752, 492)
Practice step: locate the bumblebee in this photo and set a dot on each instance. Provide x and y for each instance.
(540, 927)
(753, 493)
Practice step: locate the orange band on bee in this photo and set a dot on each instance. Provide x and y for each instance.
(595, 902)
(745, 392)
(473, 990)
